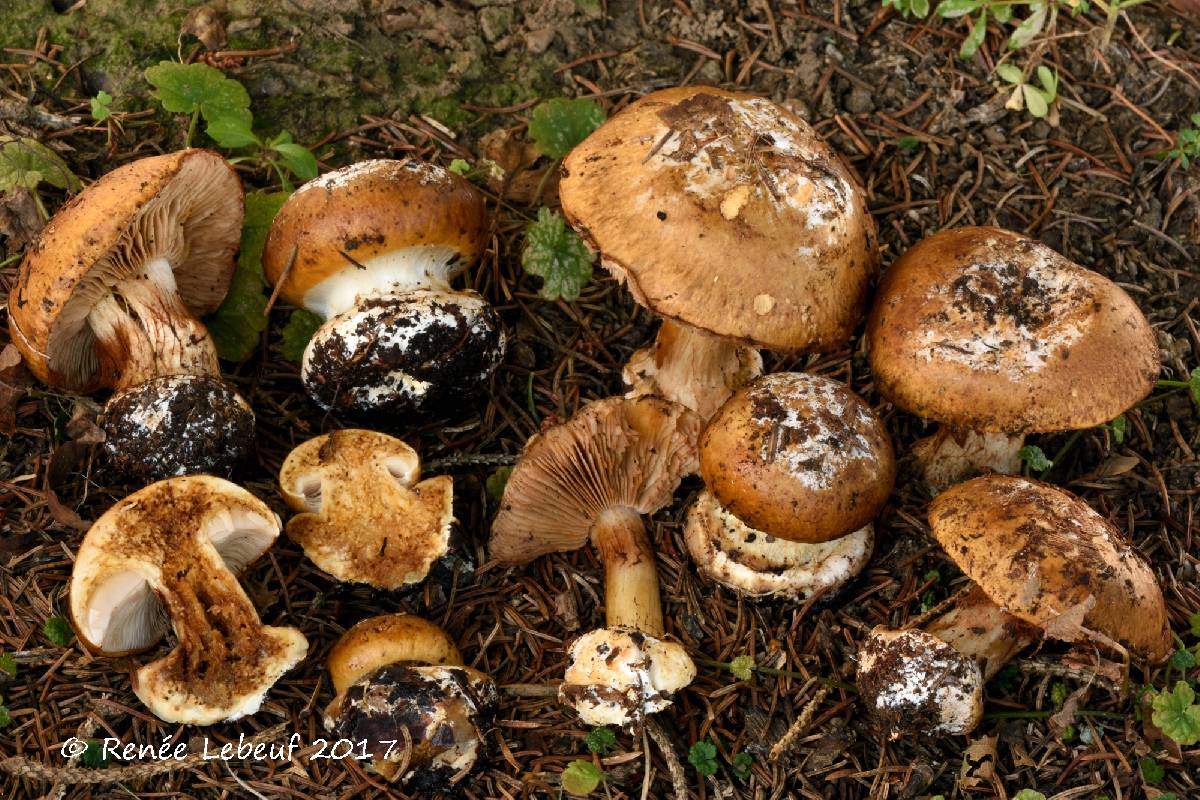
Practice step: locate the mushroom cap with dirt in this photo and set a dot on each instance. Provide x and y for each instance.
(171, 553)
(995, 334)
(364, 514)
(111, 296)
(372, 248)
(592, 477)
(400, 680)
(729, 217)
(796, 467)
(1043, 563)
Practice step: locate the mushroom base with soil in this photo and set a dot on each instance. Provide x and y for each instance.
(691, 368)
(952, 455)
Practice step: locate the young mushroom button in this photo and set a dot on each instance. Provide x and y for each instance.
(730, 218)
(364, 517)
(593, 477)
(372, 248)
(111, 295)
(402, 688)
(995, 335)
(796, 468)
(171, 552)
(1043, 563)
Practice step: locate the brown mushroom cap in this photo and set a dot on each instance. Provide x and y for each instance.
(388, 639)
(369, 210)
(1039, 553)
(726, 212)
(178, 544)
(798, 456)
(985, 329)
(184, 207)
(364, 516)
(614, 453)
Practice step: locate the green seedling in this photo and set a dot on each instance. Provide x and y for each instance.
(27, 163)
(557, 126)
(581, 778)
(1039, 99)
(555, 253)
(703, 757)
(58, 631)
(599, 740)
(1176, 714)
(1187, 145)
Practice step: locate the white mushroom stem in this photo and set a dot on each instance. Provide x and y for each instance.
(953, 455)
(630, 574)
(982, 631)
(144, 331)
(691, 368)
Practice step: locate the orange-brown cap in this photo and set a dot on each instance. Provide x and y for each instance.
(184, 207)
(798, 456)
(369, 211)
(388, 639)
(1041, 553)
(728, 213)
(985, 329)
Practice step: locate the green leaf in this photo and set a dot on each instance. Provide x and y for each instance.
(497, 481)
(1119, 426)
(300, 327)
(231, 132)
(974, 40)
(742, 667)
(26, 163)
(557, 125)
(1029, 794)
(1049, 80)
(100, 106)
(1175, 714)
(459, 167)
(8, 664)
(58, 630)
(187, 88)
(299, 160)
(5, 716)
(1002, 13)
(1152, 772)
(1033, 456)
(741, 764)
(920, 8)
(1183, 659)
(600, 740)
(1010, 73)
(1058, 694)
(951, 9)
(908, 143)
(1035, 101)
(703, 758)
(1194, 622)
(1193, 385)
(94, 755)
(556, 253)
(238, 323)
(581, 777)
(1030, 27)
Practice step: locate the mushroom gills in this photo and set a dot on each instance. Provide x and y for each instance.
(125, 616)
(952, 455)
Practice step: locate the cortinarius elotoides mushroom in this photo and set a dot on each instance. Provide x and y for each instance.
(402, 688)
(1042, 561)
(796, 467)
(365, 515)
(111, 295)
(593, 477)
(995, 335)
(170, 553)
(372, 248)
(729, 217)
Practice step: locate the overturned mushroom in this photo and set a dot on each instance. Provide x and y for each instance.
(593, 477)
(372, 249)
(111, 295)
(364, 516)
(171, 553)
(1042, 561)
(995, 335)
(402, 688)
(730, 218)
(797, 467)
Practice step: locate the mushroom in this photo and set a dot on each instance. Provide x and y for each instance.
(593, 477)
(1042, 562)
(995, 335)
(171, 552)
(729, 217)
(796, 468)
(371, 248)
(111, 297)
(402, 688)
(364, 517)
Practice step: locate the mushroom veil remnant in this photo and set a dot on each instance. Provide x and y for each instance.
(730, 218)
(995, 335)
(111, 296)
(170, 553)
(796, 468)
(403, 689)
(1042, 561)
(593, 477)
(372, 249)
